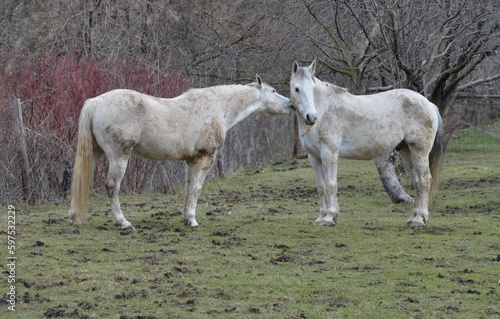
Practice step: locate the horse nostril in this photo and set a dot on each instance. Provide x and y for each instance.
(310, 120)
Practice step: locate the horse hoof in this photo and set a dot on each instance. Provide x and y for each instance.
(415, 225)
(325, 223)
(404, 199)
(127, 231)
(127, 228)
(193, 225)
(73, 223)
(408, 199)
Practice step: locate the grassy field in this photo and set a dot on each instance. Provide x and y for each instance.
(473, 140)
(259, 255)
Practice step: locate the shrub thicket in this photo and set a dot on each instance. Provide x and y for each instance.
(52, 89)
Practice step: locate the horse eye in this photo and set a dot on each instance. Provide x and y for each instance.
(297, 90)
(274, 91)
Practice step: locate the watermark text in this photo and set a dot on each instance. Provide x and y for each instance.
(11, 257)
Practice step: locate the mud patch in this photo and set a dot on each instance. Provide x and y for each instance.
(282, 259)
(461, 184)
(56, 312)
(351, 191)
(301, 193)
(230, 242)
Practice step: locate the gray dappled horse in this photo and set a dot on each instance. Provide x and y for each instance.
(339, 124)
(191, 127)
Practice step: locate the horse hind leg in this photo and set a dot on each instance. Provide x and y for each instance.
(387, 174)
(117, 167)
(422, 182)
(96, 156)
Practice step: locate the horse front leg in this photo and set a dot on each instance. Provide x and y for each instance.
(196, 173)
(325, 170)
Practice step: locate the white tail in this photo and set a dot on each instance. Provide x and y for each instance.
(82, 171)
(436, 159)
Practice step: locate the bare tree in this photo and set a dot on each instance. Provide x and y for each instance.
(437, 48)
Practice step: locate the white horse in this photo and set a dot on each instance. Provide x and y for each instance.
(191, 127)
(366, 127)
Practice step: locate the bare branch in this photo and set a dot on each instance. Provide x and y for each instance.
(478, 82)
(478, 97)
(334, 68)
(328, 30)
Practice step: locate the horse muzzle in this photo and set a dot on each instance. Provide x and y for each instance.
(311, 118)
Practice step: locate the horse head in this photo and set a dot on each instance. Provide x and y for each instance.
(272, 101)
(302, 84)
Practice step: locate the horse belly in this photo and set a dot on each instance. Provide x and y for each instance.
(368, 149)
(180, 142)
(158, 151)
(172, 145)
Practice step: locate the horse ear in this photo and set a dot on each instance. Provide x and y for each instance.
(295, 67)
(312, 67)
(259, 80)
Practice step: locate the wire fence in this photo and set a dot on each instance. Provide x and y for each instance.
(476, 138)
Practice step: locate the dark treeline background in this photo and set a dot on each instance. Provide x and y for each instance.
(55, 54)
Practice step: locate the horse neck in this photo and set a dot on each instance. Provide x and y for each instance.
(241, 102)
(328, 94)
(321, 91)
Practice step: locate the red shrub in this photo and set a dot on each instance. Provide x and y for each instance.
(52, 89)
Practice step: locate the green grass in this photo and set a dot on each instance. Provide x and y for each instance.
(259, 255)
(473, 140)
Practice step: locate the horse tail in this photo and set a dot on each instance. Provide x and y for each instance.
(82, 172)
(436, 157)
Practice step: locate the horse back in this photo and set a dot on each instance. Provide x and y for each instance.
(154, 128)
(368, 126)
(398, 109)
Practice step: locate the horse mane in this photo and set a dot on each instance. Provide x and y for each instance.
(337, 90)
(218, 87)
(253, 84)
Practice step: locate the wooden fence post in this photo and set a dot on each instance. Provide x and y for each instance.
(23, 152)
